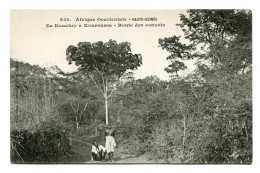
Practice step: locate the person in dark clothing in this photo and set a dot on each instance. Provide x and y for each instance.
(102, 152)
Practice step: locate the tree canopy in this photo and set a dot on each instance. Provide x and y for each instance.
(109, 58)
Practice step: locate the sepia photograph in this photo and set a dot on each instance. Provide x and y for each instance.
(131, 86)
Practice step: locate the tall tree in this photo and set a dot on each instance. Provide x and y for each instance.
(211, 35)
(105, 63)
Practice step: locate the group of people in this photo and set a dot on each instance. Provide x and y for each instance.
(99, 152)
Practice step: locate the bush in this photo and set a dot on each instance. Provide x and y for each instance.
(48, 144)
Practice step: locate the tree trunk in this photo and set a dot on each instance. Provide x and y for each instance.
(106, 105)
(106, 98)
(16, 94)
(184, 130)
(104, 92)
(76, 120)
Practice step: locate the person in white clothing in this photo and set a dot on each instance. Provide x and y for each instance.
(95, 151)
(98, 152)
(110, 142)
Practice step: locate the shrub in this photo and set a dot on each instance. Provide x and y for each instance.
(48, 144)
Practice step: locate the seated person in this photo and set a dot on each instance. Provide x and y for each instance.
(98, 152)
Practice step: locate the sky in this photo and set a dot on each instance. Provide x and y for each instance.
(31, 41)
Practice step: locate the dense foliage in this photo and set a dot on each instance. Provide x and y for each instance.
(48, 144)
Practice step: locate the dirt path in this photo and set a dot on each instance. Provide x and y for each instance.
(121, 158)
(126, 159)
(81, 149)
(83, 153)
(134, 160)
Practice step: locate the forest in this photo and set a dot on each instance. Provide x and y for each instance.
(203, 117)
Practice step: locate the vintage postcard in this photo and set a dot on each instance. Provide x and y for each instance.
(131, 86)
